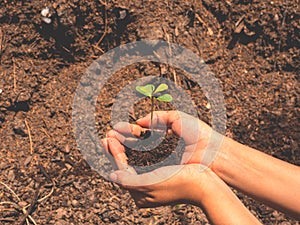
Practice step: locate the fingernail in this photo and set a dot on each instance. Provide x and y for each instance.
(113, 177)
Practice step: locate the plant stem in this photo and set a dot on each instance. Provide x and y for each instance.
(152, 107)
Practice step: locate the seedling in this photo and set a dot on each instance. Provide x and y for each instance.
(154, 94)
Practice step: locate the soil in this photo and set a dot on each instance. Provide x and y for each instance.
(251, 46)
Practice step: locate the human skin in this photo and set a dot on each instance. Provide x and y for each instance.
(263, 177)
(190, 184)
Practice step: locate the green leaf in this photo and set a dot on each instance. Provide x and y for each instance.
(165, 98)
(160, 88)
(146, 90)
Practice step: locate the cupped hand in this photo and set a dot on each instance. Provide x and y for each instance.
(178, 184)
(195, 133)
(166, 185)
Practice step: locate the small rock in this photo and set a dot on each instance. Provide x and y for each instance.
(22, 204)
(123, 14)
(45, 12)
(27, 161)
(46, 15)
(47, 20)
(208, 106)
(75, 203)
(1, 91)
(11, 175)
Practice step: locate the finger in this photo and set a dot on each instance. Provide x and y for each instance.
(106, 151)
(160, 119)
(144, 182)
(118, 152)
(188, 127)
(114, 134)
(128, 129)
(127, 141)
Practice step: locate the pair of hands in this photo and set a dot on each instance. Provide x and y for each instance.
(185, 183)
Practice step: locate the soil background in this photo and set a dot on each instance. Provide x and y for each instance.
(251, 46)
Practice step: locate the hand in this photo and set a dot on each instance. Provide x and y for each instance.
(166, 185)
(196, 134)
(189, 183)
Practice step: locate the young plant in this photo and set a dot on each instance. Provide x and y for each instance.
(154, 94)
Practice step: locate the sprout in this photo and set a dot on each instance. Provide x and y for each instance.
(154, 94)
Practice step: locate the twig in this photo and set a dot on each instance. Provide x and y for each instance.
(98, 48)
(174, 75)
(7, 219)
(105, 25)
(46, 196)
(24, 208)
(170, 52)
(30, 138)
(31, 207)
(10, 203)
(44, 130)
(8, 188)
(43, 170)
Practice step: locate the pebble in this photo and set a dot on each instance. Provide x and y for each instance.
(22, 204)
(75, 203)
(45, 12)
(122, 14)
(27, 161)
(1, 91)
(11, 175)
(208, 106)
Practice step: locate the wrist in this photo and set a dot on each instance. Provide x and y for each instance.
(203, 187)
(224, 156)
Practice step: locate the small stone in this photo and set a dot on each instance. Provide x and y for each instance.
(123, 14)
(11, 175)
(208, 106)
(27, 161)
(75, 203)
(45, 12)
(1, 91)
(22, 204)
(47, 20)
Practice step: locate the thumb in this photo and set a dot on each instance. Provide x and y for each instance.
(119, 175)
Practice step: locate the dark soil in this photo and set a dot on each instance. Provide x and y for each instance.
(251, 46)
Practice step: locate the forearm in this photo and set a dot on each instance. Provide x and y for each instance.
(261, 176)
(222, 206)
